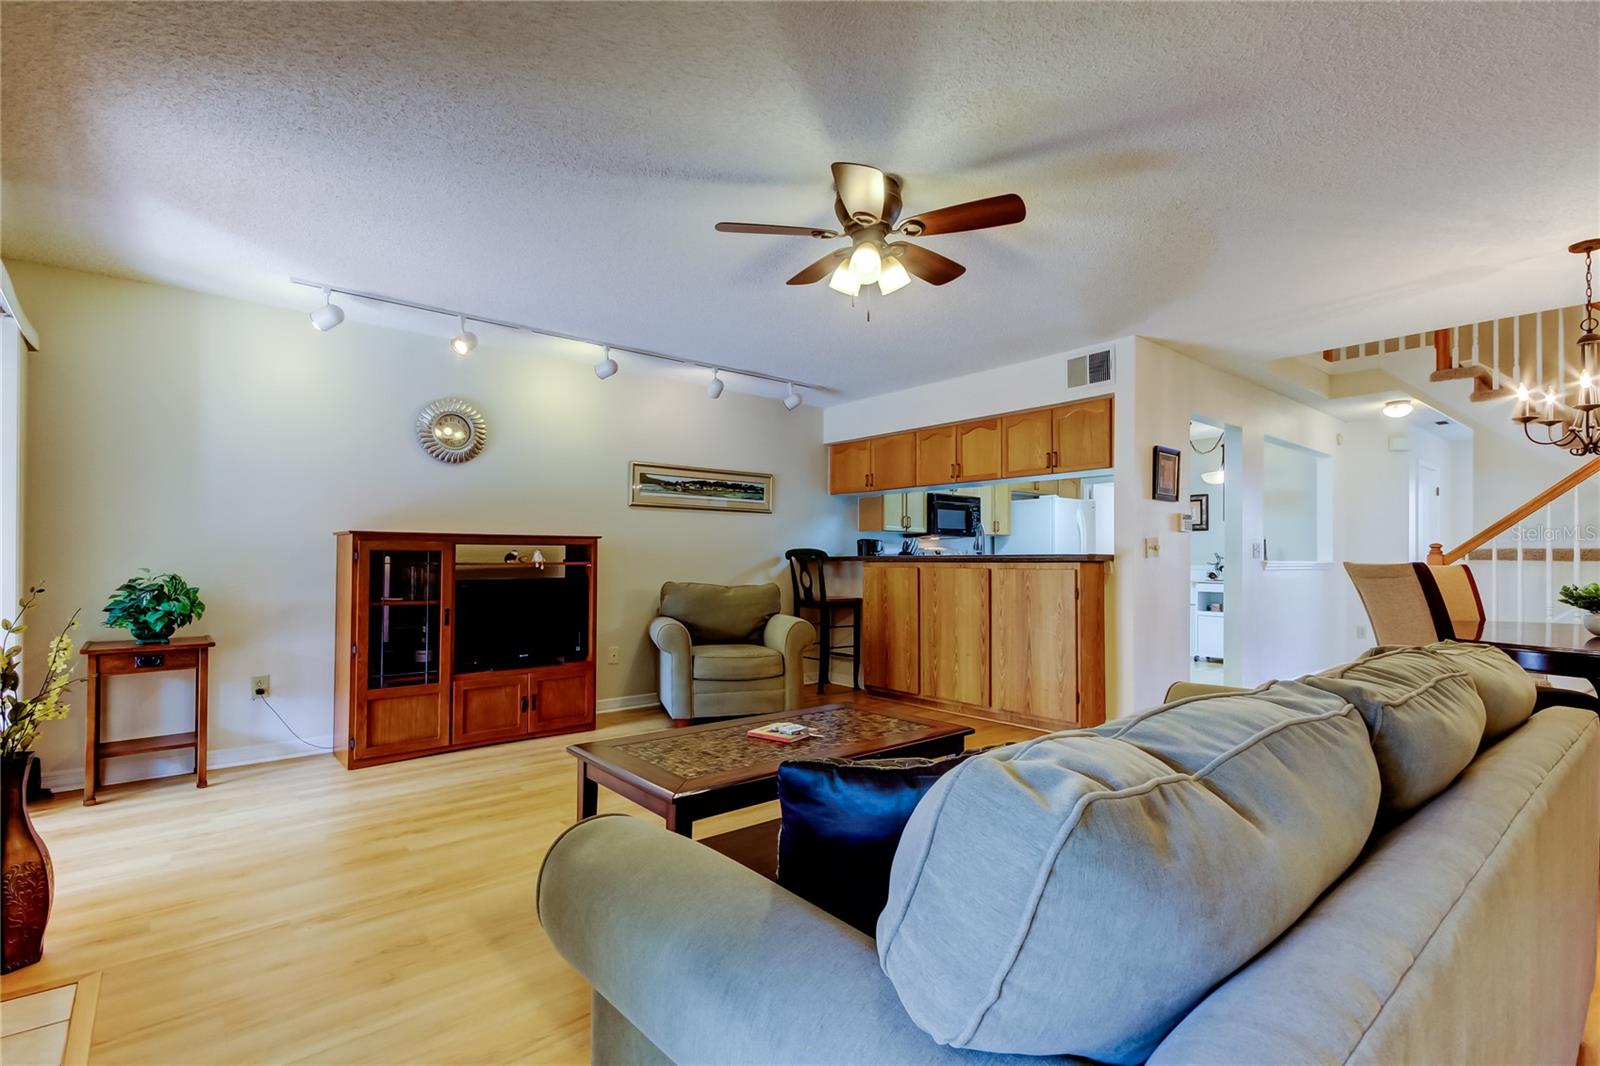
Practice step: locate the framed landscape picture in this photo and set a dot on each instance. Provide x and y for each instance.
(691, 488)
(1164, 474)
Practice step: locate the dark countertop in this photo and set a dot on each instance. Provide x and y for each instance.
(955, 558)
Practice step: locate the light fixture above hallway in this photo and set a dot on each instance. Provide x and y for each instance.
(1577, 430)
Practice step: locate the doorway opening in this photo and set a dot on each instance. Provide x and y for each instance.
(1215, 533)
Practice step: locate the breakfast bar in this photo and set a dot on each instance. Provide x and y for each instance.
(1020, 638)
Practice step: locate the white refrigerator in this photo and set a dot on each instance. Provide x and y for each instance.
(1051, 525)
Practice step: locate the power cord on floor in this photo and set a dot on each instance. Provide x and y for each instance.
(290, 728)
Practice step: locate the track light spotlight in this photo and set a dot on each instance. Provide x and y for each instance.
(714, 389)
(327, 316)
(792, 400)
(466, 340)
(606, 366)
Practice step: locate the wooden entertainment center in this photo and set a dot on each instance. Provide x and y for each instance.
(453, 640)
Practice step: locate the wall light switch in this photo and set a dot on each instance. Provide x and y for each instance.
(1152, 547)
(1361, 632)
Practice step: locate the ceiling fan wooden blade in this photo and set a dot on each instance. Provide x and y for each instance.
(931, 267)
(975, 214)
(784, 231)
(863, 191)
(819, 270)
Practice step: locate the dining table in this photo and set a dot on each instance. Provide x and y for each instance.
(1561, 649)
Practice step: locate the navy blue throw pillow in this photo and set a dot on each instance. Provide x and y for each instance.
(842, 821)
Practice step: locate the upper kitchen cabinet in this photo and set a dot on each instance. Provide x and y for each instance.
(850, 466)
(888, 462)
(978, 450)
(1028, 443)
(1082, 434)
(936, 455)
(894, 461)
(1047, 440)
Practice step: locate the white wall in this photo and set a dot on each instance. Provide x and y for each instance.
(1281, 622)
(229, 441)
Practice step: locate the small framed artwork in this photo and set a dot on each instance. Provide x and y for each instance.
(1200, 512)
(1164, 474)
(695, 489)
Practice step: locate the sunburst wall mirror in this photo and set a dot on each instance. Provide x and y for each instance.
(451, 430)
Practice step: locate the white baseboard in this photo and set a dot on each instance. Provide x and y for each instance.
(71, 780)
(627, 703)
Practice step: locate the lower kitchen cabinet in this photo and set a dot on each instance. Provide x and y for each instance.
(1021, 642)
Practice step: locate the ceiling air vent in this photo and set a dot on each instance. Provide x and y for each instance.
(1094, 368)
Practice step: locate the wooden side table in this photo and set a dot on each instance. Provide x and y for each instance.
(110, 657)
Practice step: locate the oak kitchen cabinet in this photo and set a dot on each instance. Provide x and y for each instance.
(893, 512)
(891, 649)
(1046, 440)
(1018, 641)
(994, 507)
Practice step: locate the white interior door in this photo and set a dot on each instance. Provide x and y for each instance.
(1427, 504)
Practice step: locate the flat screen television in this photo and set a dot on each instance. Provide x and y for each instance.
(513, 618)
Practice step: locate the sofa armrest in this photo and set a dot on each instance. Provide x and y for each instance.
(676, 668)
(790, 636)
(714, 963)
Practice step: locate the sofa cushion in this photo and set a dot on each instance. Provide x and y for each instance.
(1507, 690)
(842, 819)
(720, 614)
(1079, 893)
(1423, 712)
(735, 662)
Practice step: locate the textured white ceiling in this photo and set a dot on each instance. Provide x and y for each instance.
(1243, 181)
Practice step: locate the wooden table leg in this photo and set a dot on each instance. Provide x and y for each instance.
(202, 686)
(679, 822)
(91, 733)
(588, 792)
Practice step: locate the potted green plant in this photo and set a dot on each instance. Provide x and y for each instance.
(154, 606)
(29, 878)
(1585, 598)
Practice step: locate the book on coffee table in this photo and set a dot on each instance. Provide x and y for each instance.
(781, 732)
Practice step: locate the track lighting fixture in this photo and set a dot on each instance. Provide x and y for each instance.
(327, 316)
(465, 340)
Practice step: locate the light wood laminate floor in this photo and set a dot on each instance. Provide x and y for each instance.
(295, 911)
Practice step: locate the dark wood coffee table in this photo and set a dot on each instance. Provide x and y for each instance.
(688, 774)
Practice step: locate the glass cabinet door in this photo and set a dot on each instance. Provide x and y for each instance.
(403, 593)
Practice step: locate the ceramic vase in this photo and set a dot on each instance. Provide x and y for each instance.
(29, 879)
(1591, 622)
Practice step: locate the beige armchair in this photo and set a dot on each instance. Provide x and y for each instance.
(725, 650)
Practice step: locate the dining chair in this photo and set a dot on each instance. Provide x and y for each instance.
(1403, 602)
(808, 576)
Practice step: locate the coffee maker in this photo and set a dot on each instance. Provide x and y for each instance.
(869, 546)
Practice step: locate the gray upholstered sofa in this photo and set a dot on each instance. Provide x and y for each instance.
(725, 650)
(1390, 862)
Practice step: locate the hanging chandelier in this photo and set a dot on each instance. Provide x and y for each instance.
(1575, 429)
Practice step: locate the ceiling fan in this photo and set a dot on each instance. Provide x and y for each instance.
(867, 202)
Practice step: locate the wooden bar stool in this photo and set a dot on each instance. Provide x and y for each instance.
(807, 574)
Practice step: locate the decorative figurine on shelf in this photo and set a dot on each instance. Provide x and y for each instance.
(153, 607)
(29, 877)
(1215, 573)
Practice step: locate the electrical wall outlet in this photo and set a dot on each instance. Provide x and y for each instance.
(260, 686)
(613, 655)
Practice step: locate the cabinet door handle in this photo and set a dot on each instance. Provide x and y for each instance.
(952, 470)
(447, 616)
(524, 705)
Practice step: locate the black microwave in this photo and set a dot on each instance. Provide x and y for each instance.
(950, 515)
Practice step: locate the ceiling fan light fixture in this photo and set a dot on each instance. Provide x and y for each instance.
(844, 279)
(866, 263)
(892, 277)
